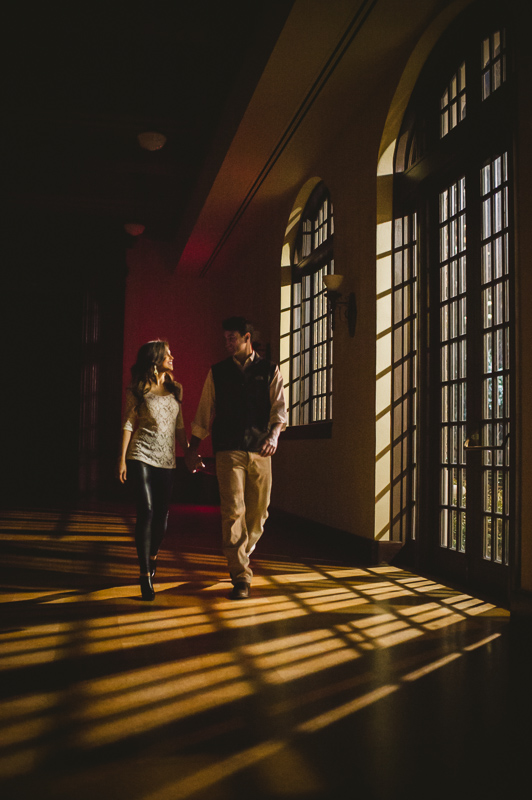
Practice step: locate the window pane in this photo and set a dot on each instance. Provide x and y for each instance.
(453, 102)
(493, 63)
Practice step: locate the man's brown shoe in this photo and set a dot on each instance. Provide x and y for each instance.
(240, 590)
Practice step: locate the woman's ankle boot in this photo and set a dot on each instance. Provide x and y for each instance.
(153, 566)
(146, 587)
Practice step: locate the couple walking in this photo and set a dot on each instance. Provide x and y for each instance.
(242, 405)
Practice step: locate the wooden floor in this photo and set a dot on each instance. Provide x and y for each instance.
(332, 680)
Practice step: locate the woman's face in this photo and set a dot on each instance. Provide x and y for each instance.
(167, 364)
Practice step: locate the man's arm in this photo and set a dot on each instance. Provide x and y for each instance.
(193, 460)
(269, 446)
(278, 417)
(201, 427)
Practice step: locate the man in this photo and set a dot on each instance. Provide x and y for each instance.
(243, 405)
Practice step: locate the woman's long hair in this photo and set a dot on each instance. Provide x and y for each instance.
(144, 371)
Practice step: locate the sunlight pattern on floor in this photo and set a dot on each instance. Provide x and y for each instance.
(87, 669)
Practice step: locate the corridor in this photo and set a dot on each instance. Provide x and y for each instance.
(332, 680)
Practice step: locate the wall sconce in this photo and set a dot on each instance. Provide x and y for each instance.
(332, 284)
(151, 140)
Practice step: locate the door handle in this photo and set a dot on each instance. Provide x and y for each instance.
(468, 446)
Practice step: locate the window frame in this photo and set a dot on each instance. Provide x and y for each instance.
(311, 337)
(423, 156)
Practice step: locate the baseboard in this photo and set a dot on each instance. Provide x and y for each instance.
(326, 541)
(521, 604)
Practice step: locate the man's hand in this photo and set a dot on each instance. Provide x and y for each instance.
(269, 446)
(193, 460)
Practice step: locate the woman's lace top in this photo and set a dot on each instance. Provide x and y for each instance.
(154, 427)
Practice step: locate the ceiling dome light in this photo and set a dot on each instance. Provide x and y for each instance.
(151, 140)
(134, 228)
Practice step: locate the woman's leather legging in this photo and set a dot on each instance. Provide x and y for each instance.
(153, 490)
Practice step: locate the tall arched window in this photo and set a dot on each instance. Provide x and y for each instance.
(309, 378)
(452, 306)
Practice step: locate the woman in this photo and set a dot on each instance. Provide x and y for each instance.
(152, 422)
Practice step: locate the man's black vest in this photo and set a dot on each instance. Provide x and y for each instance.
(242, 414)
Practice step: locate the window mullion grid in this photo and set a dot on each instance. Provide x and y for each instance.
(313, 375)
(320, 348)
(404, 359)
(313, 354)
(306, 351)
(319, 379)
(453, 315)
(493, 62)
(496, 366)
(453, 101)
(310, 326)
(329, 270)
(295, 353)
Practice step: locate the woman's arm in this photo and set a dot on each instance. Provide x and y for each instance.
(122, 468)
(130, 422)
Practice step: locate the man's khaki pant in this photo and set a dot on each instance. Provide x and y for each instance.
(245, 482)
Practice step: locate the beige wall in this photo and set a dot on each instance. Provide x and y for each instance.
(330, 481)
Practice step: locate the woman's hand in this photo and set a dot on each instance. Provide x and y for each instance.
(122, 468)
(122, 471)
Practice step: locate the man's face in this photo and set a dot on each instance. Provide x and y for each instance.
(235, 344)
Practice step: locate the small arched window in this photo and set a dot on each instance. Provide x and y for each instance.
(310, 373)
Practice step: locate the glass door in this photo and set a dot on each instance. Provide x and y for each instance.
(473, 368)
